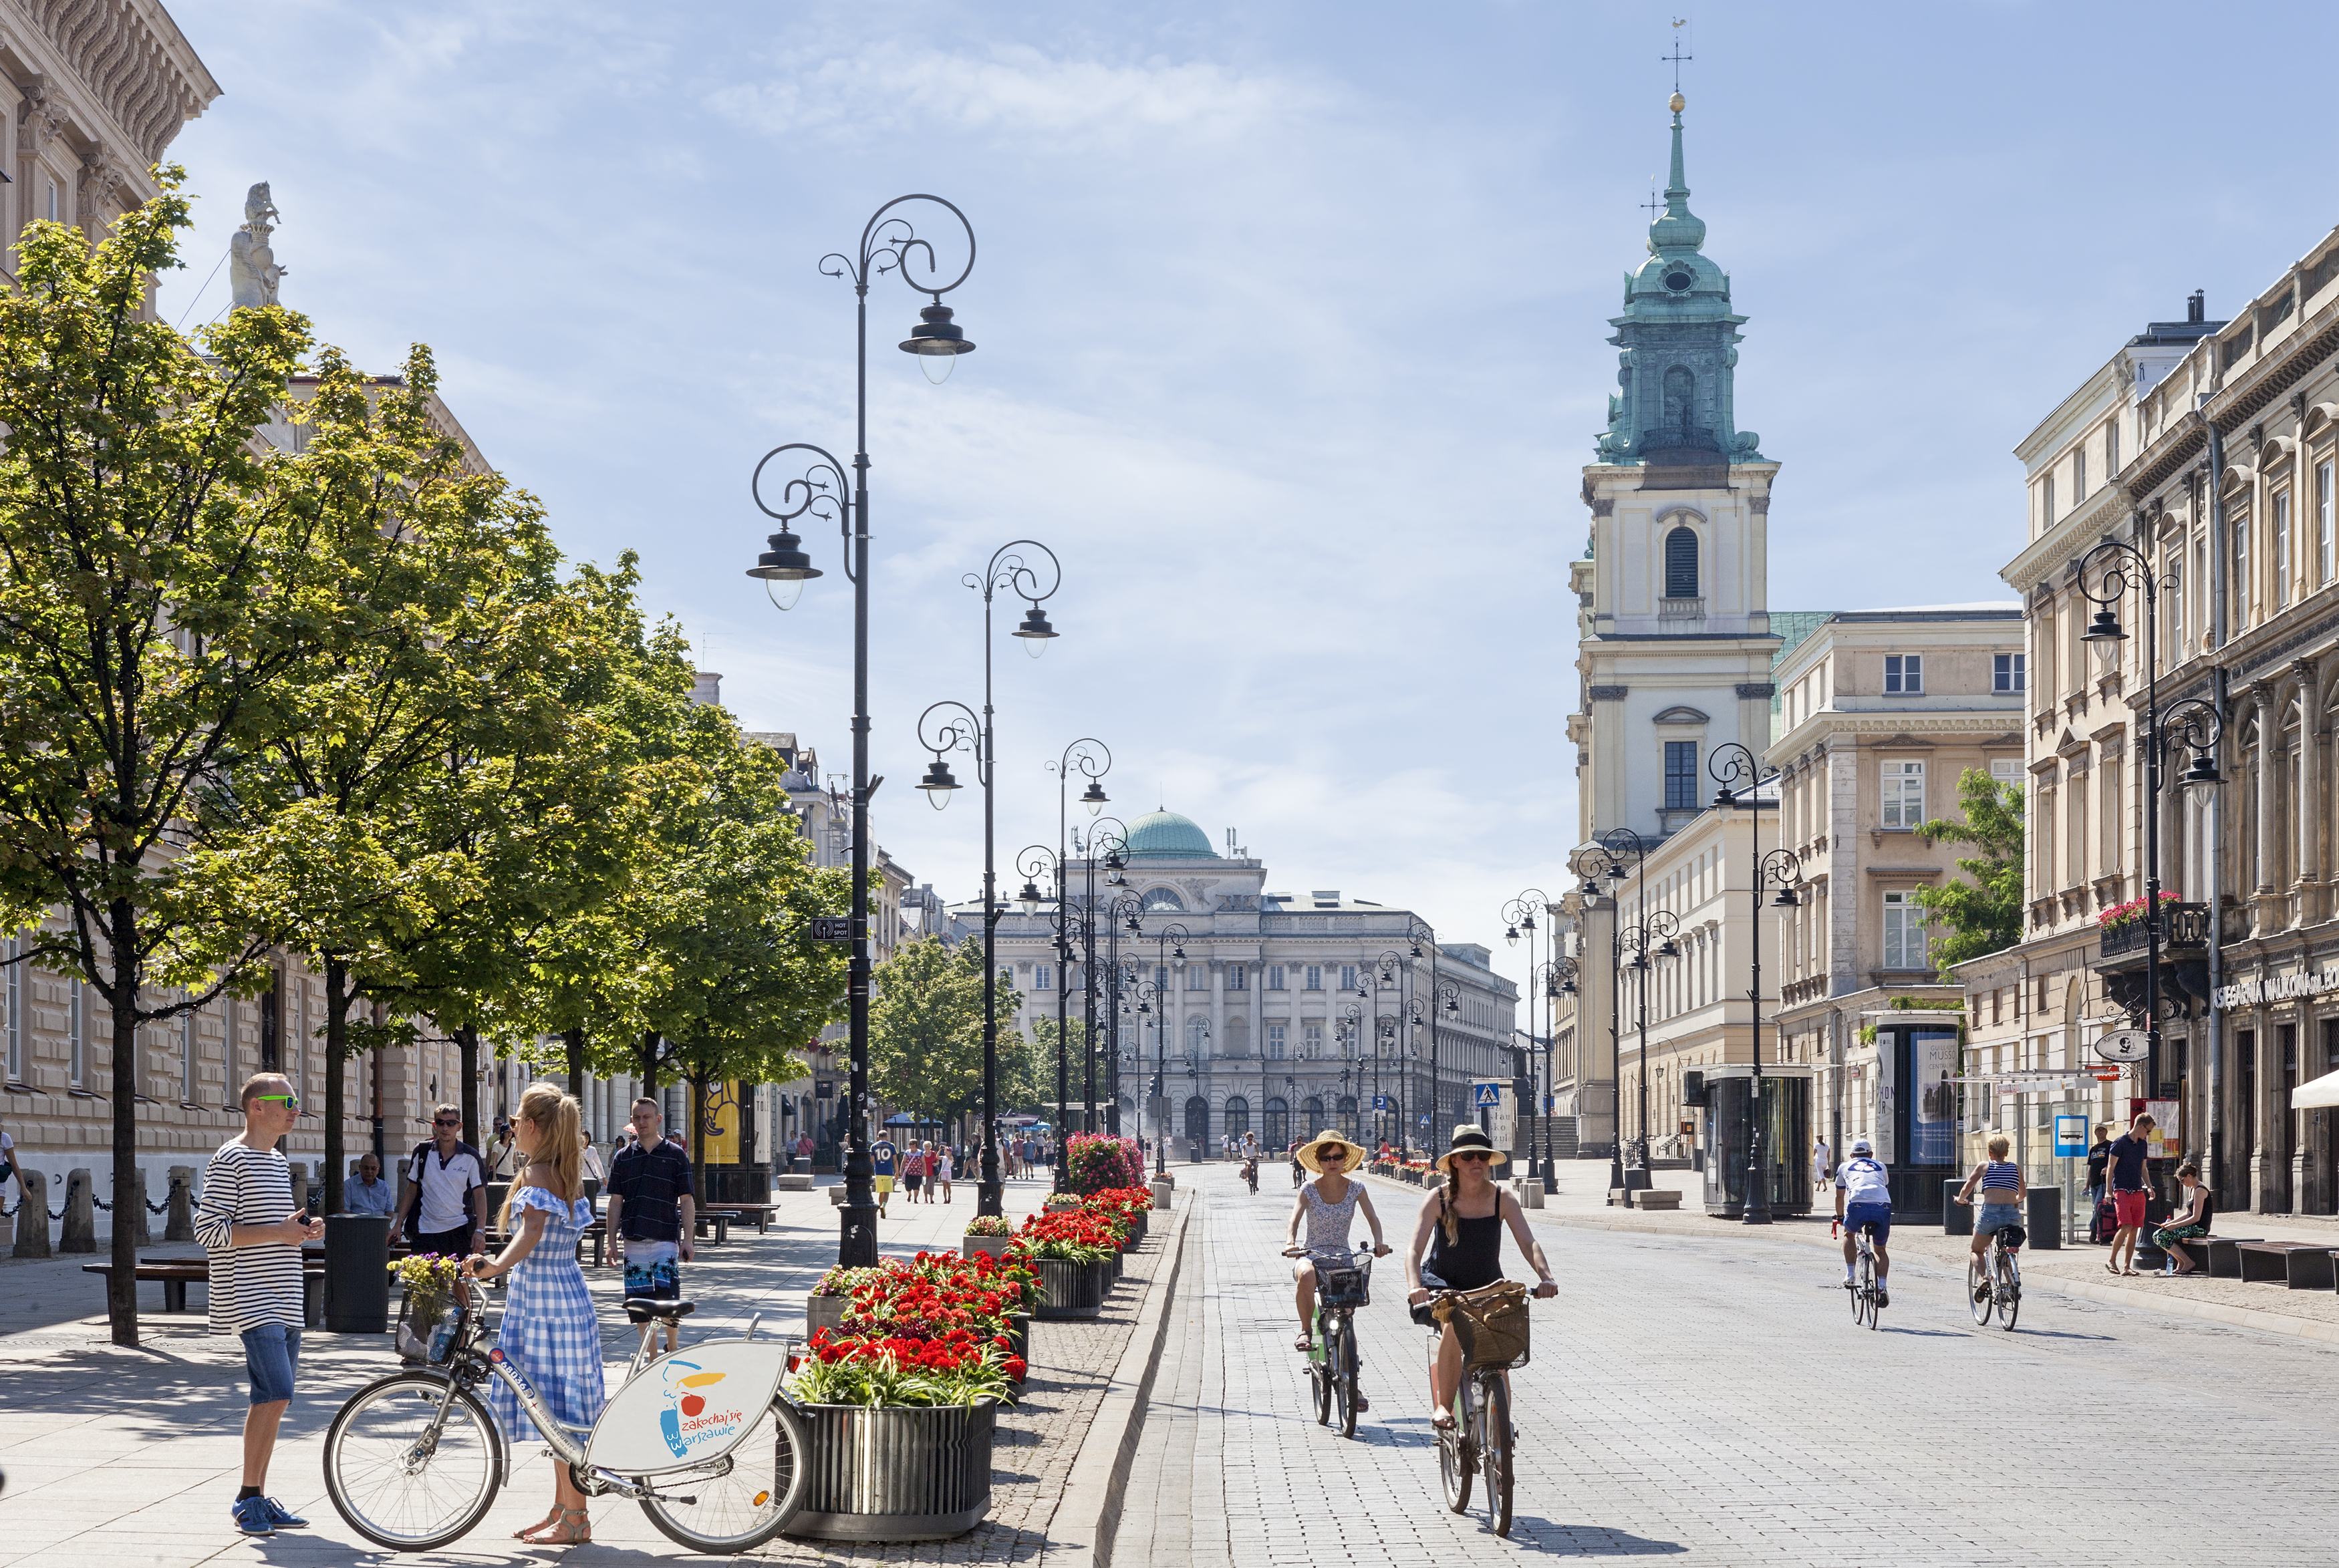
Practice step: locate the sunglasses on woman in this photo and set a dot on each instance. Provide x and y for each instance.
(1324, 1154)
(1475, 1154)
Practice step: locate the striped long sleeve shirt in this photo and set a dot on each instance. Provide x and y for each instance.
(259, 1282)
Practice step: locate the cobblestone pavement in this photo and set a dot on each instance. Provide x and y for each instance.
(123, 1459)
(1706, 1396)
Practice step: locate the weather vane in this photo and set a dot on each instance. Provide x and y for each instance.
(1655, 204)
(1677, 57)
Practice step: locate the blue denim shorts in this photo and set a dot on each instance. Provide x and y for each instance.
(1990, 1217)
(271, 1354)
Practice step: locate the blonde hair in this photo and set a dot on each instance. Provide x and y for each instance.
(1999, 1146)
(557, 1163)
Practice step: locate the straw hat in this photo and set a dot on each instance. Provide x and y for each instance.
(1467, 1137)
(1356, 1154)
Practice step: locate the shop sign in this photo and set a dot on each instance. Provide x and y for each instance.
(2279, 988)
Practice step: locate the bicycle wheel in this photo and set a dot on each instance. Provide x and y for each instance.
(2009, 1291)
(1978, 1293)
(1863, 1294)
(1858, 1302)
(1495, 1451)
(1320, 1373)
(1344, 1375)
(402, 1478)
(741, 1500)
(1454, 1473)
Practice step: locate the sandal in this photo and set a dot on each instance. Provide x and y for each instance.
(1443, 1420)
(575, 1530)
(1304, 1344)
(2110, 1270)
(547, 1522)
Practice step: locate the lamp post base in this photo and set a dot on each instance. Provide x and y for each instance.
(990, 1197)
(856, 1242)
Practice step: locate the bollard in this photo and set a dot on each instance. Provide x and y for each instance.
(134, 1207)
(181, 1226)
(79, 1233)
(32, 1221)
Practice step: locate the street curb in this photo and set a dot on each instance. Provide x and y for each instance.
(1091, 1508)
(2110, 1294)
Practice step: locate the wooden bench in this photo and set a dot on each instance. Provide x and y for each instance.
(721, 1221)
(175, 1274)
(761, 1213)
(2220, 1256)
(2300, 1264)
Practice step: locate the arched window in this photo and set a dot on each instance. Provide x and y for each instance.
(1680, 396)
(1198, 1121)
(1681, 563)
(1162, 898)
(1276, 1127)
(1238, 1116)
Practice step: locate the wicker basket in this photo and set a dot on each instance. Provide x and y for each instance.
(1491, 1323)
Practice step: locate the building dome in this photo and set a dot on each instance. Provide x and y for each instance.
(1165, 836)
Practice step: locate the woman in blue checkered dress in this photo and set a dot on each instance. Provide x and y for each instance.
(549, 1333)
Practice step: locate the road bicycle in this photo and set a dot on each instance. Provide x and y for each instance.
(1479, 1444)
(1994, 1280)
(1864, 1291)
(1332, 1358)
(704, 1439)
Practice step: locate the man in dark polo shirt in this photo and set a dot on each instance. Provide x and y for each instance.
(2131, 1191)
(652, 1213)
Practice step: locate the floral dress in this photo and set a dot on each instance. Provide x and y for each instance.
(549, 1331)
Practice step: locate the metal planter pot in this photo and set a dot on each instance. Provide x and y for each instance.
(896, 1474)
(1071, 1289)
(825, 1312)
(984, 1245)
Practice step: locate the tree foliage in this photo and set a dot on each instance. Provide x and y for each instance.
(1984, 915)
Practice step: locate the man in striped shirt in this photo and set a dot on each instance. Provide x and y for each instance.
(248, 1225)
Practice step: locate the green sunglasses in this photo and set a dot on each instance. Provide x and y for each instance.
(293, 1100)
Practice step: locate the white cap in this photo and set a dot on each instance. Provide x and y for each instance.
(1862, 1146)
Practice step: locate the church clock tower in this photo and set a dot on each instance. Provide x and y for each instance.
(1674, 644)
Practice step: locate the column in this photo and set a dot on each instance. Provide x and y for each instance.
(2262, 878)
(2308, 782)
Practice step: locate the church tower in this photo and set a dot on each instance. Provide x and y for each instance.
(1674, 646)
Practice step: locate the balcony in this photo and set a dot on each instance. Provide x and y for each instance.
(2183, 926)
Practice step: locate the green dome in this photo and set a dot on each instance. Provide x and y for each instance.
(1165, 836)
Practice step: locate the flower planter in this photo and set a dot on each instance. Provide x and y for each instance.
(984, 1245)
(826, 1312)
(896, 1474)
(1018, 1336)
(1070, 1289)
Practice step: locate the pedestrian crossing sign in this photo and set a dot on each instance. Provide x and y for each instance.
(1487, 1094)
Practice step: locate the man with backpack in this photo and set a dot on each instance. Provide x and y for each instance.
(444, 1208)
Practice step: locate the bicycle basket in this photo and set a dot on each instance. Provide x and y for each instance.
(426, 1327)
(1343, 1288)
(1491, 1323)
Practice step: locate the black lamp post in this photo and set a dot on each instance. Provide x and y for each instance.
(2117, 567)
(1519, 920)
(1616, 848)
(1117, 914)
(887, 245)
(1148, 997)
(1352, 1064)
(1090, 759)
(1170, 938)
(1743, 777)
(1556, 979)
(940, 730)
(1650, 937)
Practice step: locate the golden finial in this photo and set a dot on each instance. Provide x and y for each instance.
(1679, 102)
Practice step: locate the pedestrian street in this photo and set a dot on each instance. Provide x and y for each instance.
(1708, 1399)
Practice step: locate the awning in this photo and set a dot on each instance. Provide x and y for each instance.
(2316, 1092)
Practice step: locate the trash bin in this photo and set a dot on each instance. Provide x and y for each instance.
(1957, 1220)
(2045, 1218)
(357, 1272)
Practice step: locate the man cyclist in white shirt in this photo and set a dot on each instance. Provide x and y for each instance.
(1863, 1196)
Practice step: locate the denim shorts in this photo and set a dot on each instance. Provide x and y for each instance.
(271, 1354)
(1990, 1217)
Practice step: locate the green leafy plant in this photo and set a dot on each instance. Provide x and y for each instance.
(1984, 915)
(989, 1225)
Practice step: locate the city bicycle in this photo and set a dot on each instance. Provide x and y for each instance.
(1864, 1293)
(1479, 1444)
(1994, 1280)
(1332, 1358)
(704, 1439)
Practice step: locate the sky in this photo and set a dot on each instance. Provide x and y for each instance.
(1290, 328)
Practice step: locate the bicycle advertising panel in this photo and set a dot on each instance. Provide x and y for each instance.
(687, 1409)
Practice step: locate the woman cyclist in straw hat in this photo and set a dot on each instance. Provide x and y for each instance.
(1326, 1206)
(1461, 1229)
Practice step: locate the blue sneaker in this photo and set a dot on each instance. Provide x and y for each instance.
(282, 1517)
(253, 1517)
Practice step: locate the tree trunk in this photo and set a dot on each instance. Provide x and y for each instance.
(122, 999)
(646, 1055)
(467, 1041)
(698, 1136)
(337, 1078)
(575, 1042)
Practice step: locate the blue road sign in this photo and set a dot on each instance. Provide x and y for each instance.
(1380, 1102)
(1487, 1094)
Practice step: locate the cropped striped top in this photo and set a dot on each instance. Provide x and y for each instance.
(1999, 1179)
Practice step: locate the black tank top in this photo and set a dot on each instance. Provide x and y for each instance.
(1473, 1258)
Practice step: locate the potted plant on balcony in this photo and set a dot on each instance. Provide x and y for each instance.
(900, 1433)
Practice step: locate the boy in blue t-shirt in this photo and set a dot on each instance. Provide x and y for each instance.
(884, 1154)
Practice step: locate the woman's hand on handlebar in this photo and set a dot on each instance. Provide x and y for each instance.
(1295, 1252)
(1382, 1250)
(1418, 1297)
(1546, 1290)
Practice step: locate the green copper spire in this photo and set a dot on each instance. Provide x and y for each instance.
(1679, 337)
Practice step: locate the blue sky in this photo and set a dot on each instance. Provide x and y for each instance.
(1290, 327)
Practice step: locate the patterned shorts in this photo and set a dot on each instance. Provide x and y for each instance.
(654, 1269)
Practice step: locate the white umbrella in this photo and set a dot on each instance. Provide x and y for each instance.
(2320, 1091)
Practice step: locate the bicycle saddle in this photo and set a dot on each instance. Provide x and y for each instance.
(642, 1308)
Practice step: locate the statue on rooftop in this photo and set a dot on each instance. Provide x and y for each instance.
(252, 273)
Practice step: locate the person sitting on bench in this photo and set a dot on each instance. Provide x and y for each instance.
(2191, 1221)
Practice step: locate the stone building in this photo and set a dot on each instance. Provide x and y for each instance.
(2213, 447)
(1288, 1014)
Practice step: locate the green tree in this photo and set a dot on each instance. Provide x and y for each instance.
(925, 1029)
(159, 584)
(1030, 1085)
(1984, 915)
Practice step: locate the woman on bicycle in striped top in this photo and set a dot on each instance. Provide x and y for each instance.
(2002, 1187)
